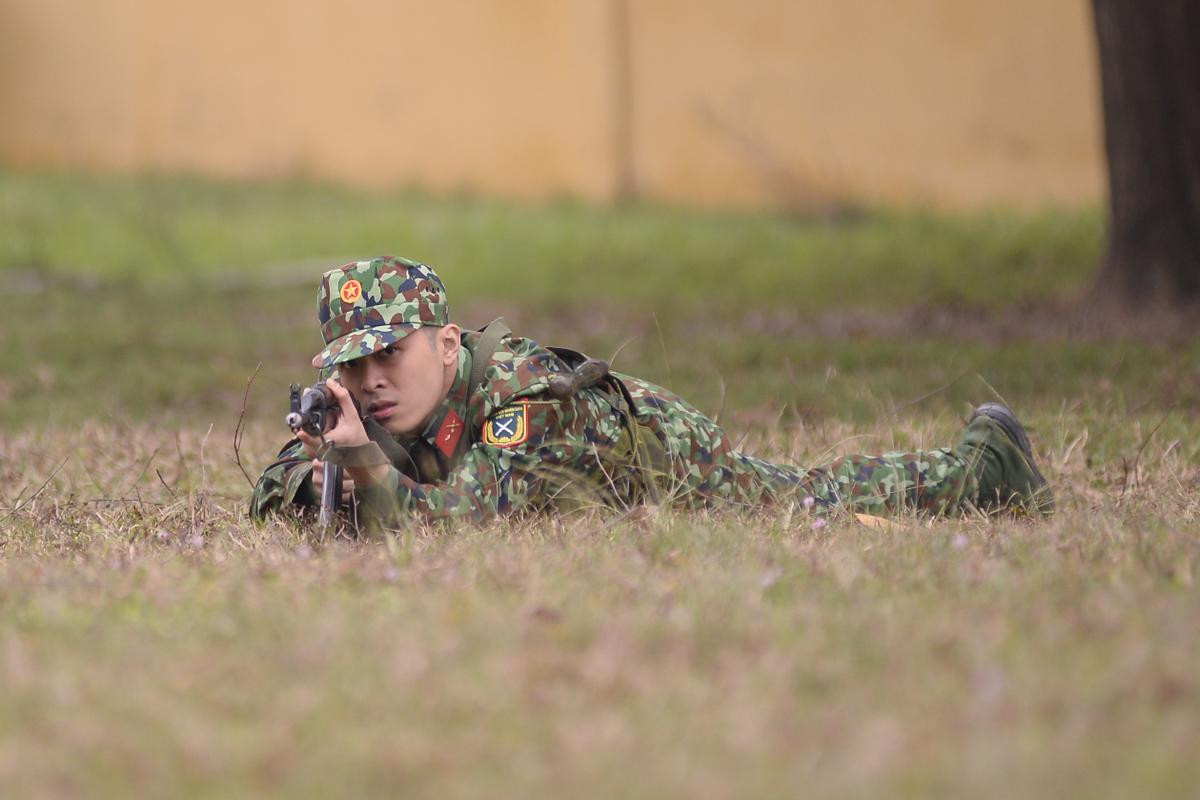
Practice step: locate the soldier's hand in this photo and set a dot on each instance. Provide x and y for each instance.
(348, 431)
(318, 480)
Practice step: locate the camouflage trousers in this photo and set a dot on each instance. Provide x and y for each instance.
(930, 482)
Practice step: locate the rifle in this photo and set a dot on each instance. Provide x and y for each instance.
(315, 410)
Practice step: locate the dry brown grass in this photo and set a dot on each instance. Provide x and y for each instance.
(153, 641)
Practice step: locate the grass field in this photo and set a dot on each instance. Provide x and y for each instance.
(153, 642)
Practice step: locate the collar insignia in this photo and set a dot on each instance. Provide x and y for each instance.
(449, 434)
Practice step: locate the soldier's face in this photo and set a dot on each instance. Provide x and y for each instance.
(401, 385)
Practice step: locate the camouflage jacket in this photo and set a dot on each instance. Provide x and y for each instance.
(527, 450)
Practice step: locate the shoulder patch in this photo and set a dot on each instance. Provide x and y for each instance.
(508, 427)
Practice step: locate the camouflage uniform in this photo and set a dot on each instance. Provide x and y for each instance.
(509, 444)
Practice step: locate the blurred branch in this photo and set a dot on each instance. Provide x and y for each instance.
(40, 489)
(239, 430)
(801, 196)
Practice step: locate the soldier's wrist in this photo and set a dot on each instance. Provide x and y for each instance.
(378, 500)
(368, 476)
(357, 456)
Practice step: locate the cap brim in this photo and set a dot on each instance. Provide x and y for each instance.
(362, 343)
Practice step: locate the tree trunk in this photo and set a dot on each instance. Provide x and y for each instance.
(1150, 78)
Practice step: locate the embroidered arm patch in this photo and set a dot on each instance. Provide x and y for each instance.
(508, 427)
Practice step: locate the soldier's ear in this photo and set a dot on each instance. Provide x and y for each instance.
(449, 343)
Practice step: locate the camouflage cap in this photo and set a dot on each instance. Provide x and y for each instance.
(367, 305)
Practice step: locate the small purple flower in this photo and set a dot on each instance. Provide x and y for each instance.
(819, 523)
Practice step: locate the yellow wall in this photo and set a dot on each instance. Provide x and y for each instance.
(756, 102)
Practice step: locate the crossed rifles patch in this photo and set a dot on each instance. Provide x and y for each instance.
(508, 427)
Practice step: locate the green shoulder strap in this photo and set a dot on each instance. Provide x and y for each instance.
(481, 356)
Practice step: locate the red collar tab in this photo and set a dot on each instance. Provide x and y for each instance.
(449, 434)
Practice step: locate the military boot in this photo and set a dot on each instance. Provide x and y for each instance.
(996, 446)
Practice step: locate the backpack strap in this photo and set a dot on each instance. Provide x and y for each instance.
(481, 356)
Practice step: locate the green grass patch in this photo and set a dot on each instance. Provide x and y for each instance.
(156, 298)
(183, 359)
(151, 231)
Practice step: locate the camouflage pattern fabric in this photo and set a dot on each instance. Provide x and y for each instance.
(706, 470)
(367, 305)
(527, 452)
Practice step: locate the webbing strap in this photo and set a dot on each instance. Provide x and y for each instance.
(492, 333)
(369, 454)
